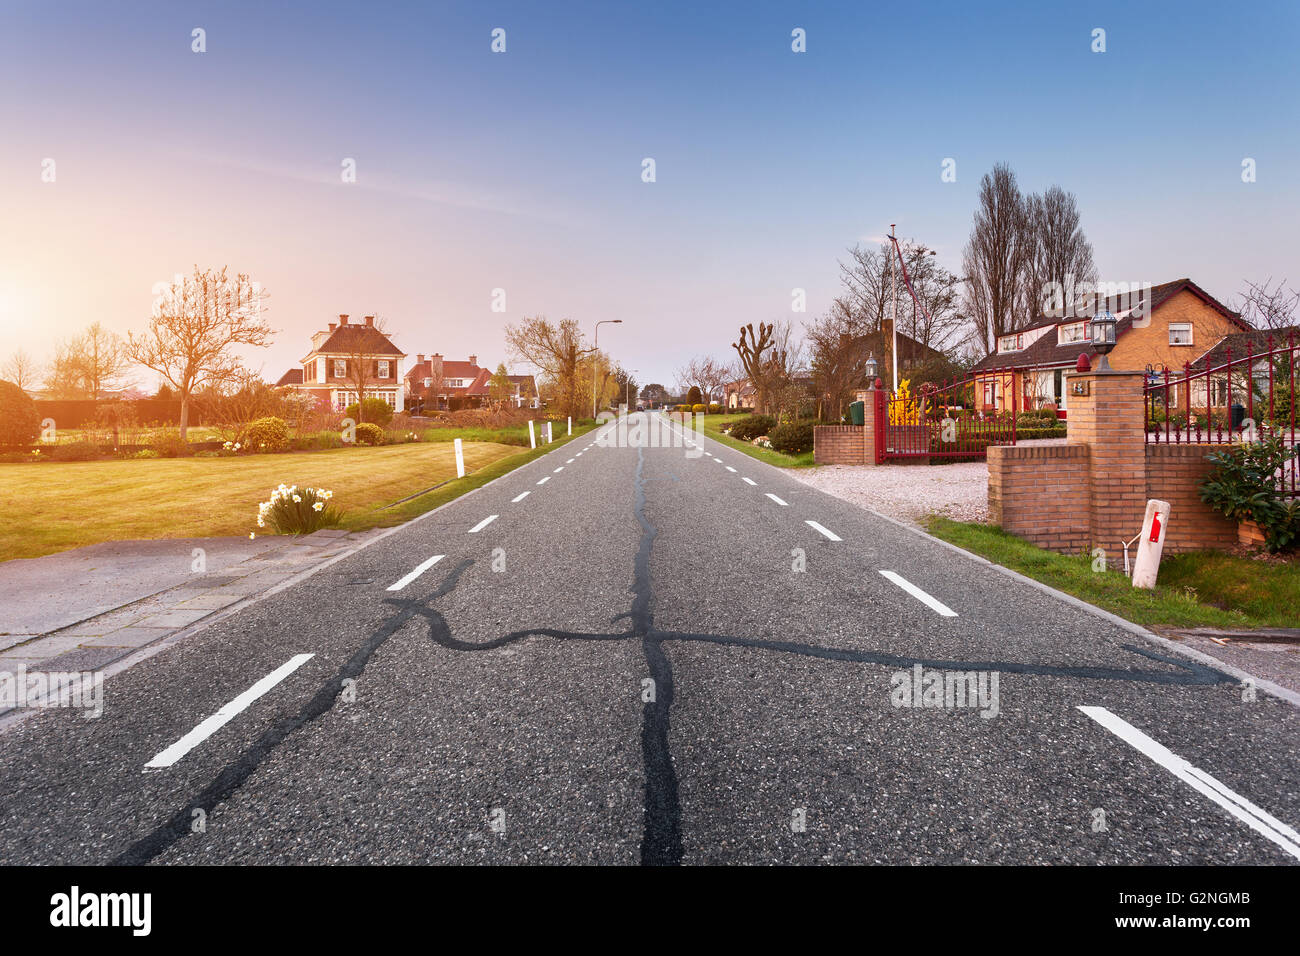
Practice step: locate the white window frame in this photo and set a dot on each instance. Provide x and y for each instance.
(1081, 327)
(1180, 327)
(340, 368)
(383, 368)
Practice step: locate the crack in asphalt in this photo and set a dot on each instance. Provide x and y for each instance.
(661, 840)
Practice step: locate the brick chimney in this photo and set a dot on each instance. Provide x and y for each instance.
(370, 321)
(419, 358)
(435, 364)
(333, 326)
(343, 318)
(473, 360)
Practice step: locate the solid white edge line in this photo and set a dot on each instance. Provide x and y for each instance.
(826, 531)
(931, 602)
(482, 524)
(518, 498)
(783, 504)
(749, 481)
(419, 569)
(226, 714)
(1257, 819)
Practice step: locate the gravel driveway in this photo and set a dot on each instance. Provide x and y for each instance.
(909, 492)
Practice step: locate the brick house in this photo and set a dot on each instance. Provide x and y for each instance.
(434, 383)
(524, 391)
(332, 370)
(1160, 326)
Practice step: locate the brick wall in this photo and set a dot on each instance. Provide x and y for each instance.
(1040, 493)
(839, 445)
(1173, 474)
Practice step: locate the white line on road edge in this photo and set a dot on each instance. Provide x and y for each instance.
(226, 714)
(545, 480)
(748, 481)
(783, 504)
(482, 524)
(920, 595)
(518, 498)
(830, 534)
(1200, 781)
(420, 569)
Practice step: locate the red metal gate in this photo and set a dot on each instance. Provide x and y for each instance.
(941, 422)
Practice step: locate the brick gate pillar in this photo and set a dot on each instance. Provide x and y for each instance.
(1107, 413)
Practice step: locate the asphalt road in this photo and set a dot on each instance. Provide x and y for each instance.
(649, 657)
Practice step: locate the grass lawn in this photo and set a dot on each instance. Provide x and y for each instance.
(1207, 589)
(713, 425)
(55, 506)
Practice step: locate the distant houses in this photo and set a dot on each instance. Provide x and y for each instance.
(350, 360)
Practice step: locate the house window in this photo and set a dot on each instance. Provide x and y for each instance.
(428, 383)
(1074, 332)
(455, 383)
(1010, 343)
(383, 368)
(1180, 333)
(340, 368)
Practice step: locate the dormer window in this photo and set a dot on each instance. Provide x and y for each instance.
(1011, 343)
(1073, 333)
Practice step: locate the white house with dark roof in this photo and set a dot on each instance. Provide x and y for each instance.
(329, 372)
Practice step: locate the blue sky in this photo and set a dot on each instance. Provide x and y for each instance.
(522, 170)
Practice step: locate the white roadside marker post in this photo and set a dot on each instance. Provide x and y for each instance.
(1151, 544)
(460, 459)
(532, 438)
(550, 434)
(570, 424)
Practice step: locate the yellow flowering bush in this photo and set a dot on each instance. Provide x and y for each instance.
(294, 510)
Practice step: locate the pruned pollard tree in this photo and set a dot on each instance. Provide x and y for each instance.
(755, 353)
(198, 320)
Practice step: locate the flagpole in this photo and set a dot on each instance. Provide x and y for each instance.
(893, 308)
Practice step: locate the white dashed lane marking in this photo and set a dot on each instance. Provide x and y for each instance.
(226, 714)
(912, 589)
(518, 498)
(749, 481)
(419, 569)
(730, 469)
(482, 524)
(783, 504)
(545, 480)
(1258, 820)
(830, 534)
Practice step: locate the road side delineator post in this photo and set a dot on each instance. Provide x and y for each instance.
(1151, 544)
(570, 425)
(550, 437)
(532, 438)
(460, 459)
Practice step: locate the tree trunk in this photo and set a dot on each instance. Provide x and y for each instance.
(185, 414)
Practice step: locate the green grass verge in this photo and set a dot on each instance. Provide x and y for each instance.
(54, 506)
(1205, 589)
(713, 425)
(406, 510)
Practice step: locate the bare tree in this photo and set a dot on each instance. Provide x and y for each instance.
(755, 356)
(558, 351)
(995, 256)
(1058, 254)
(865, 278)
(21, 369)
(197, 322)
(1266, 306)
(838, 356)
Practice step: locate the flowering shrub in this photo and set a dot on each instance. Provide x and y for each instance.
(266, 434)
(294, 510)
(232, 447)
(762, 441)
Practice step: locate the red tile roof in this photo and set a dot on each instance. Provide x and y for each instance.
(352, 339)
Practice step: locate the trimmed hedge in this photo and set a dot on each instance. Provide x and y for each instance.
(793, 439)
(751, 426)
(368, 433)
(267, 434)
(20, 423)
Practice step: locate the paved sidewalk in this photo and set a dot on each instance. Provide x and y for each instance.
(84, 609)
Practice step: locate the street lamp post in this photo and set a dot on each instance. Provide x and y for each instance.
(595, 340)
